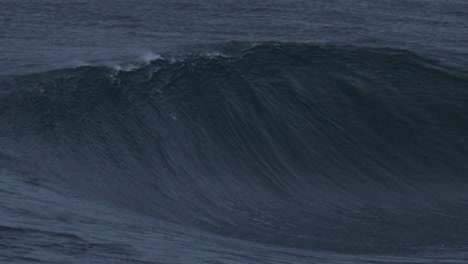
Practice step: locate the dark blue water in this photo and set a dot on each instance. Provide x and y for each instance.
(233, 131)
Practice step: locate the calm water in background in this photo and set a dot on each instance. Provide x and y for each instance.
(233, 131)
(55, 34)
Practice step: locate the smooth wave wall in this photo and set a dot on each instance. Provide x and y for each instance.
(329, 147)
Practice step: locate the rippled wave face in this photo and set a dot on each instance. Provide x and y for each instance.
(318, 147)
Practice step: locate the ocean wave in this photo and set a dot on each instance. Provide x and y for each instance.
(330, 147)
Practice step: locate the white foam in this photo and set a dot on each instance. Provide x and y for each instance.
(150, 56)
(214, 54)
(141, 61)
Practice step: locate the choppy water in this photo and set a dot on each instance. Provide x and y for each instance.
(233, 132)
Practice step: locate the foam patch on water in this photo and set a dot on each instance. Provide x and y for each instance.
(142, 61)
(150, 56)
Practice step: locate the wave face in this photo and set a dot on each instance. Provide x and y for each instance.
(315, 147)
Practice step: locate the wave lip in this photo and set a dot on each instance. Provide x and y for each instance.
(330, 147)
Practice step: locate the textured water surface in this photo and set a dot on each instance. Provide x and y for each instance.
(233, 132)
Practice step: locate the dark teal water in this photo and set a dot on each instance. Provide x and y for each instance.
(233, 132)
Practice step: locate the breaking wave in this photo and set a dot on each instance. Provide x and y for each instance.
(324, 147)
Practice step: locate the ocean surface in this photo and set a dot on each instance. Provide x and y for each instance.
(234, 131)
